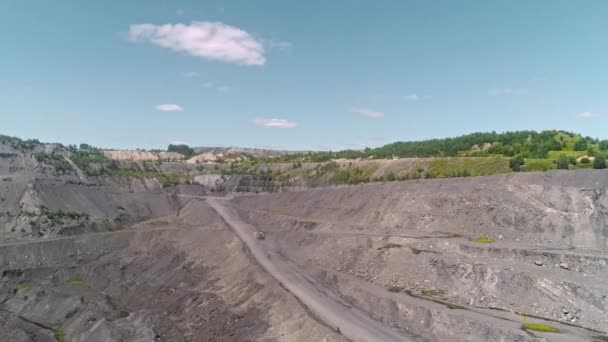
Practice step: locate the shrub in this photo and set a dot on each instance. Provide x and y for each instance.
(585, 160)
(564, 162)
(599, 162)
(516, 162)
(21, 286)
(60, 334)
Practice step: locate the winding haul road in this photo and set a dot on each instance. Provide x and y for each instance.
(325, 305)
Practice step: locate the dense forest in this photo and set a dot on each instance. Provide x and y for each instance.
(524, 144)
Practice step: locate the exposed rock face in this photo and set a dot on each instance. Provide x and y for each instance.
(124, 258)
(130, 155)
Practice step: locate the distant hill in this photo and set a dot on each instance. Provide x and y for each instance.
(525, 144)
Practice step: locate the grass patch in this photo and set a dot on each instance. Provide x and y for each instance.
(539, 327)
(583, 166)
(538, 165)
(556, 154)
(467, 166)
(80, 282)
(60, 334)
(432, 293)
(22, 286)
(483, 239)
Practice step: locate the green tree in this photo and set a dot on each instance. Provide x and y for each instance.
(580, 145)
(182, 149)
(599, 162)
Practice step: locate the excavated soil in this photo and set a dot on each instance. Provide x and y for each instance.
(406, 252)
(184, 278)
(108, 259)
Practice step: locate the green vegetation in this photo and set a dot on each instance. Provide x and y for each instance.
(22, 286)
(59, 214)
(538, 165)
(80, 282)
(516, 162)
(527, 144)
(353, 175)
(92, 161)
(432, 293)
(483, 239)
(539, 327)
(599, 162)
(455, 306)
(60, 334)
(573, 154)
(184, 150)
(19, 144)
(7, 155)
(463, 167)
(57, 161)
(565, 162)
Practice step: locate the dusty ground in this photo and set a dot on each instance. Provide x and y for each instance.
(116, 260)
(185, 278)
(403, 251)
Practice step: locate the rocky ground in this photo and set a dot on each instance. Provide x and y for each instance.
(466, 259)
(394, 248)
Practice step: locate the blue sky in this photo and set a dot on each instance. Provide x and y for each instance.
(299, 74)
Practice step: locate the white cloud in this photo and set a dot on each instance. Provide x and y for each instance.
(169, 107)
(209, 40)
(507, 91)
(178, 142)
(411, 97)
(374, 114)
(590, 115)
(274, 123)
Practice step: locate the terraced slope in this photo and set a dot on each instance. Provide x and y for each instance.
(460, 259)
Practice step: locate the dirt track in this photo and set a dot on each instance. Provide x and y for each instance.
(352, 323)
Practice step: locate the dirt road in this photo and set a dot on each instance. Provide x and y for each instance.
(352, 323)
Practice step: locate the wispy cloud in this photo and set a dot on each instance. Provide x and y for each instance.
(169, 107)
(589, 115)
(278, 44)
(218, 87)
(411, 97)
(369, 113)
(191, 74)
(208, 40)
(274, 123)
(178, 142)
(508, 91)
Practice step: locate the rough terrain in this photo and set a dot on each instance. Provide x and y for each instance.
(114, 258)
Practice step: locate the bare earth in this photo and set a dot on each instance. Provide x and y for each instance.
(378, 262)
